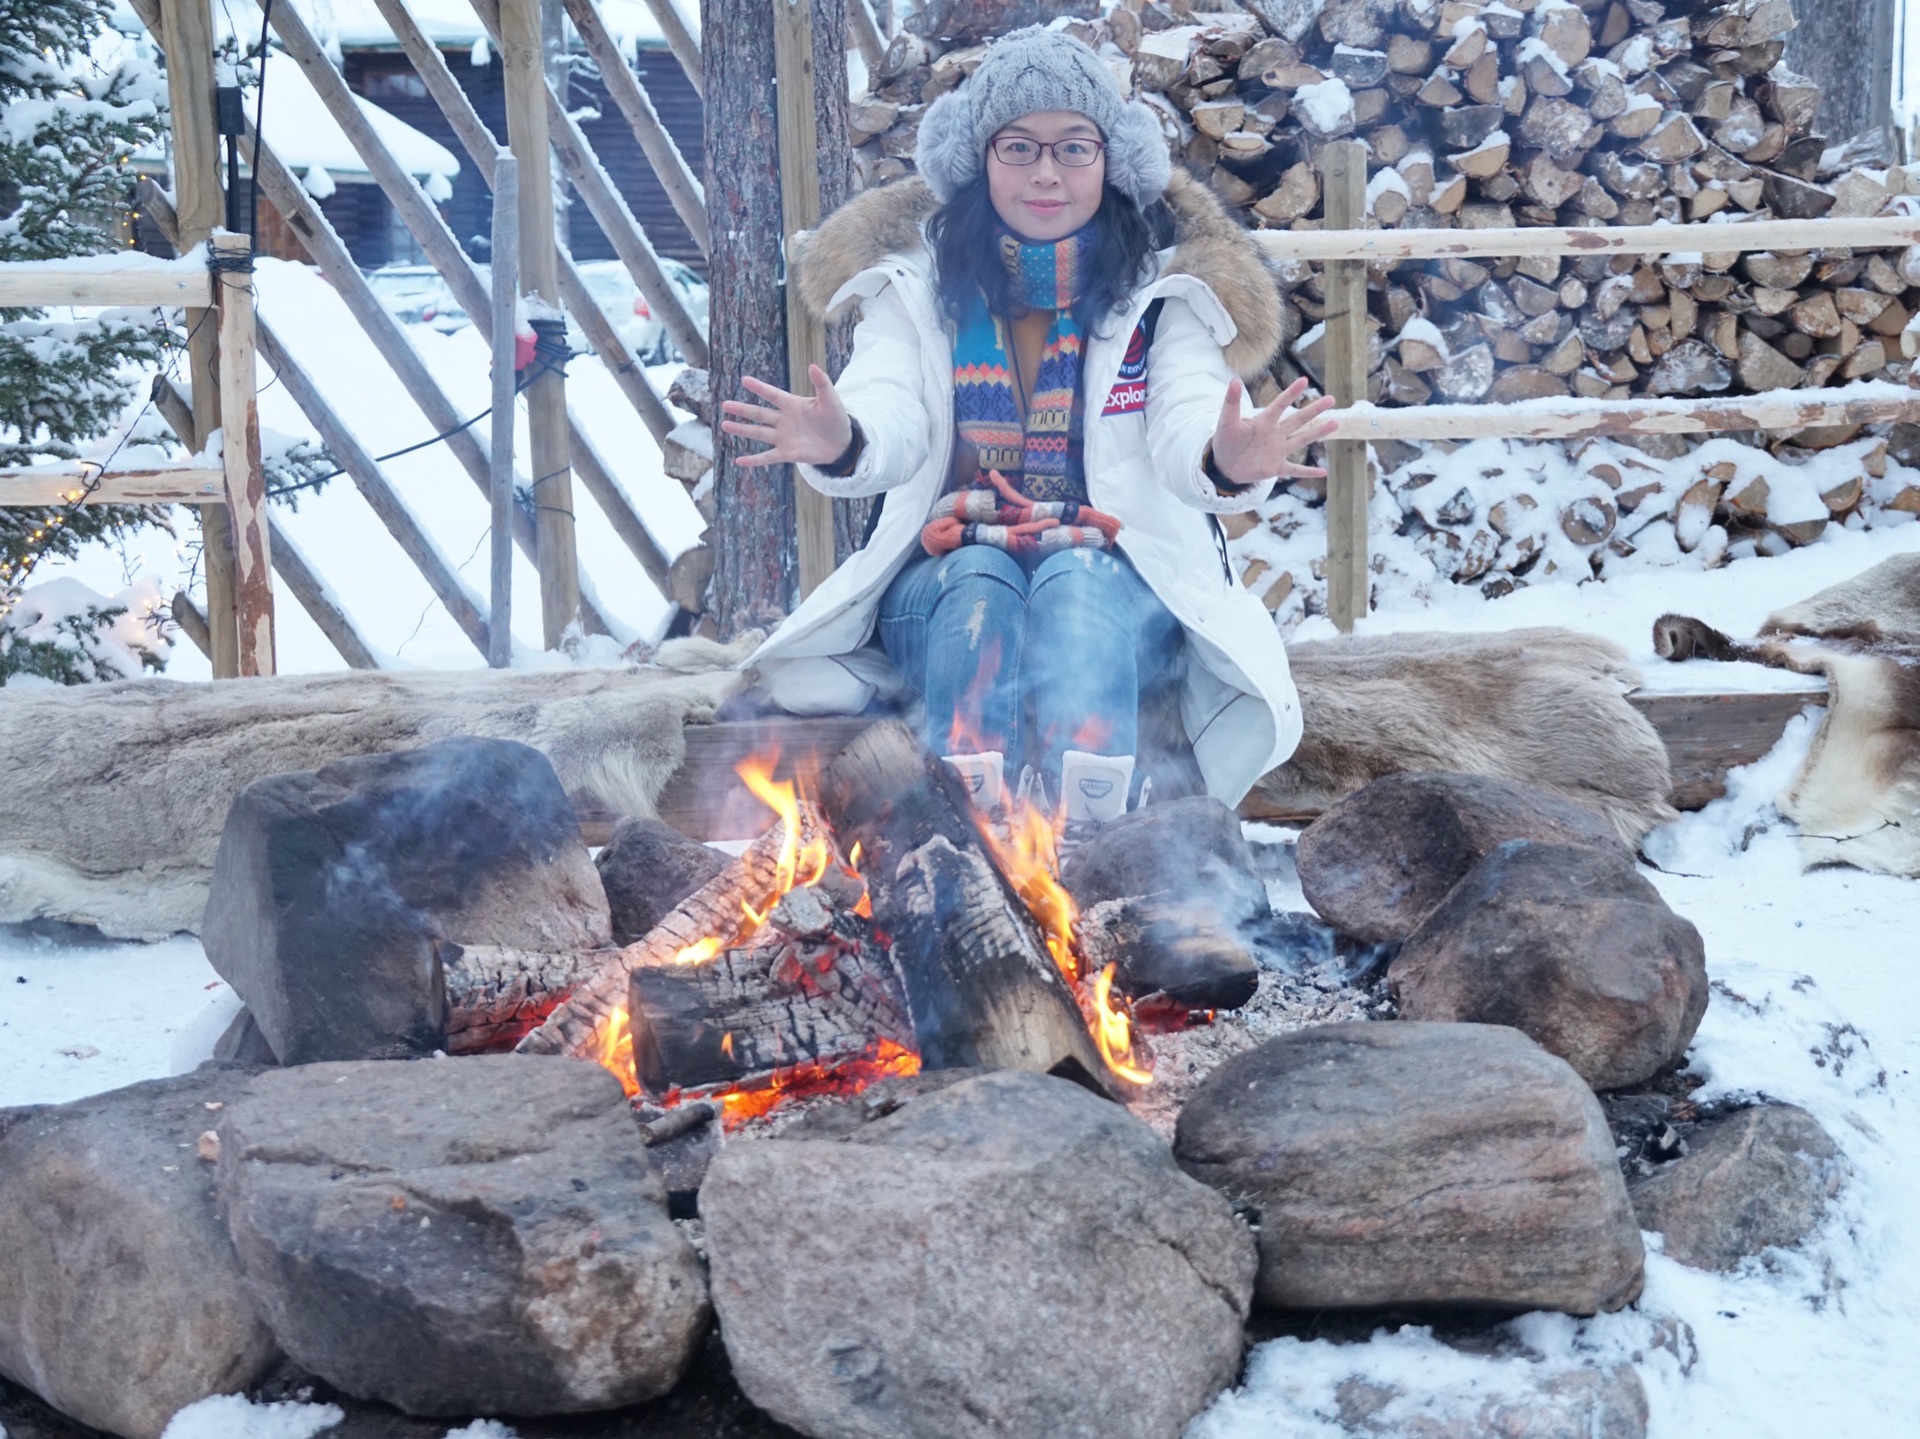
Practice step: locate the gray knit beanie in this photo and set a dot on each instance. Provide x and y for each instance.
(1040, 69)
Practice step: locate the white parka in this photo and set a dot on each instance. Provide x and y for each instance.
(1143, 465)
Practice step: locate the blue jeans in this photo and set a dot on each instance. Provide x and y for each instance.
(980, 636)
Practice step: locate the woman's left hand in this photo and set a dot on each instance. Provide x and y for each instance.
(1251, 448)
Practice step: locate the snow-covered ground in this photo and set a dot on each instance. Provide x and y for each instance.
(1816, 989)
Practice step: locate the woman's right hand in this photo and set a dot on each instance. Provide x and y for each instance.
(801, 431)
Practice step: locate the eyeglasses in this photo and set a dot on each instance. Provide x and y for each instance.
(1074, 154)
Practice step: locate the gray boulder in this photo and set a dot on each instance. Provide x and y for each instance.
(121, 1300)
(462, 1236)
(1179, 849)
(1417, 1164)
(647, 868)
(1009, 1257)
(1380, 861)
(1571, 946)
(1757, 1178)
(330, 887)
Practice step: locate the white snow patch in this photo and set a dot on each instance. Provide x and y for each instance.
(1327, 106)
(317, 182)
(1427, 333)
(484, 1429)
(481, 55)
(234, 1416)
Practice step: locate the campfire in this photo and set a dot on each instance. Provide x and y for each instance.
(879, 925)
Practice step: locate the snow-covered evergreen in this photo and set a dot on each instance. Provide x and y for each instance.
(76, 100)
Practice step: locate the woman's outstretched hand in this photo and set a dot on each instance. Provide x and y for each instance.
(801, 431)
(1249, 449)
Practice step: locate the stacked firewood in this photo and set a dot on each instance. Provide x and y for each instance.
(1492, 113)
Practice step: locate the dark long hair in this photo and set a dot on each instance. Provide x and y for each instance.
(968, 259)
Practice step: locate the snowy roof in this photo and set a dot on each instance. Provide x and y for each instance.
(296, 124)
(358, 24)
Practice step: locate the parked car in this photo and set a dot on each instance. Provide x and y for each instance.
(632, 318)
(416, 295)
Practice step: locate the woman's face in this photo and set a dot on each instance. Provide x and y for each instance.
(1046, 200)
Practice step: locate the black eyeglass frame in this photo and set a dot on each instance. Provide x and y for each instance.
(1044, 147)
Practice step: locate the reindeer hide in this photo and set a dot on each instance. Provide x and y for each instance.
(1544, 706)
(1856, 797)
(117, 793)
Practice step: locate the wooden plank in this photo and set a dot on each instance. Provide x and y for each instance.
(505, 279)
(800, 210)
(381, 497)
(306, 586)
(548, 443)
(624, 87)
(300, 578)
(240, 457)
(867, 38)
(481, 146)
(39, 486)
(1741, 236)
(1344, 165)
(163, 282)
(1707, 735)
(1858, 404)
(680, 40)
(186, 36)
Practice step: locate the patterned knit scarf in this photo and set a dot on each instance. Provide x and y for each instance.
(1039, 503)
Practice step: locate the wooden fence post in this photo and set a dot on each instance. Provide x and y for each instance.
(1343, 165)
(252, 612)
(547, 437)
(186, 35)
(506, 292)
(794, 87)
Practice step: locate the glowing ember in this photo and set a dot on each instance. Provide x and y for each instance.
(805, 1081)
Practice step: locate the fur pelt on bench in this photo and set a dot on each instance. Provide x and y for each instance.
(1856, 796)
(1544, 706)
(117, 793)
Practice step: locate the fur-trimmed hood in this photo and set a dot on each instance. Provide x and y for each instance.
(1208, 244)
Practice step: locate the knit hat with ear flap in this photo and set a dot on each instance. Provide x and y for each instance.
(1031, 70)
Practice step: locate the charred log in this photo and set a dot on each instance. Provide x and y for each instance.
(1184, 954)
(497, 996)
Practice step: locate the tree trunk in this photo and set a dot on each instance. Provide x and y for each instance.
(1846, 48)
(756, 563)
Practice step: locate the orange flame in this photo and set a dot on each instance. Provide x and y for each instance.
(699, 952)
(794, 866)
(616, 1052)
(1113, 1032)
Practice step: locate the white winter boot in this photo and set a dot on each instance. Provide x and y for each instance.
(1093, 791)
(985, 779)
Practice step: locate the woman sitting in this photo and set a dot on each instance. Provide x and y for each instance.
(1049, 401)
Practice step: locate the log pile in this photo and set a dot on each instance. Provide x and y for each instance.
(1488, 113)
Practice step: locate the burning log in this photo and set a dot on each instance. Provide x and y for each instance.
(813, 988)
(984, 987)
(496, 996)
(708, 921)
(1181, 954)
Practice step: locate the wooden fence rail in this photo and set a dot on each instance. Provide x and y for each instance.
(219, 277)
(1346, 249)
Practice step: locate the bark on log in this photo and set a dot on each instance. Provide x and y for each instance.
(749, 1012)
(1179, 951)
(980, 983)
(711, 913)
(756, 563)
(496, 996)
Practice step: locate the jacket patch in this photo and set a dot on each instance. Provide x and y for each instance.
(1129, 393)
